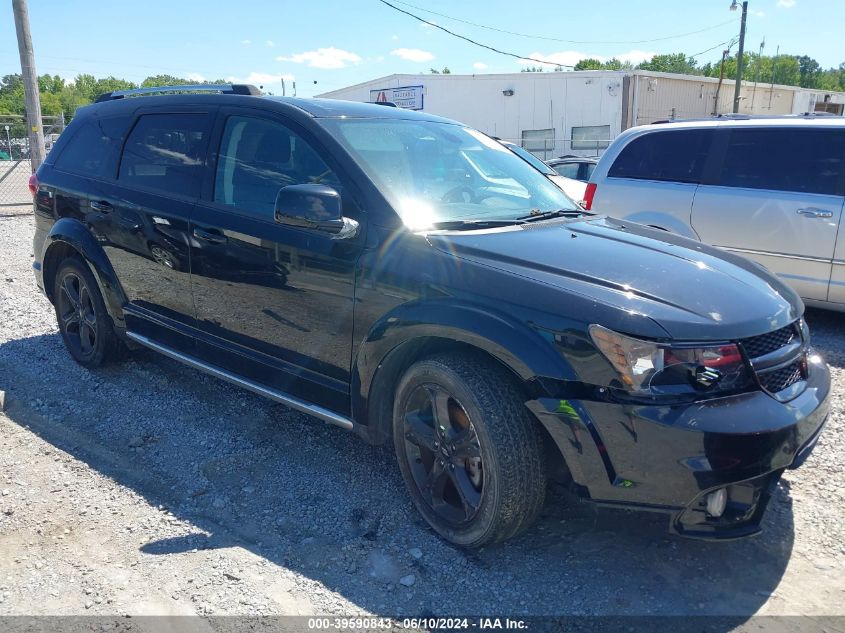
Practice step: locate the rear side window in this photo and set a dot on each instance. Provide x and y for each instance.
(93, 148)
(166, 152)
(567, 170)
(675, 156)
(785, 159)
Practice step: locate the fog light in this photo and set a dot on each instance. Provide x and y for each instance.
(716, 502)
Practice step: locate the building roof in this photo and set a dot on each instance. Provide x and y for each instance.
(552, 76)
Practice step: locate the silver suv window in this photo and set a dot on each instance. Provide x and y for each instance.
(672, 155)
(784, 159)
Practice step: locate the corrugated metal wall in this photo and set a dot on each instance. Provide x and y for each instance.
(661, 97)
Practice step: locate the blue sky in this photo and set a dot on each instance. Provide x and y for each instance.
(336, 43)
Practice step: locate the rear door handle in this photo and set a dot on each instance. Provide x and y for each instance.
(209, 236)
(814, 212)
(100, 205)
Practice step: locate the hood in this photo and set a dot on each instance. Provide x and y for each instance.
(692, 291)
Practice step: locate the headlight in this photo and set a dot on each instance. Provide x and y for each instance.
(650, 368)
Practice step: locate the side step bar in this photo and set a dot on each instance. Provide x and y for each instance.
(261, 390)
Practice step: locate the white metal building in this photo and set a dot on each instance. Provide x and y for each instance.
(555, 113)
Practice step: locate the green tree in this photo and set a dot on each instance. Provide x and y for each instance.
(808, 71)
(672, 63)
(590, 63)
(532, 69)
(111, 84)
(164, 80)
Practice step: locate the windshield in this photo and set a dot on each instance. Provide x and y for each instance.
(434, 173)
(529, 158)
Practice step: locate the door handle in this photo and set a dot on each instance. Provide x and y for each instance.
(100, 205)
(209, 236)
(814, 212)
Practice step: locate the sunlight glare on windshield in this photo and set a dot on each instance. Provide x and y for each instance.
(417, 214)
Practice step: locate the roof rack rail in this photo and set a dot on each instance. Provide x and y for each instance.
(234, 89)
(741, 116)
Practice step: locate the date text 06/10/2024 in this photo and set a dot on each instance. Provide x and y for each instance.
(380, 623)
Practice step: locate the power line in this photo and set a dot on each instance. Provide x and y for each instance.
(729, 42)
(471, 41)
(557, 39)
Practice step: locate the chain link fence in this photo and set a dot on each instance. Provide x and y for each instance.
(14, 155)
(14, 176)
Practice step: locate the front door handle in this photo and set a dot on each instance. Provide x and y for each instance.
(209, 236)
(100, 205)
(814, 212)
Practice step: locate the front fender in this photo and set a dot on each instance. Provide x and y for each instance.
(70, 232)
(528, 352)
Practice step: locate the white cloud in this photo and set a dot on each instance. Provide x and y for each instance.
(196, 77)
(260, 79)
(760, 14)
(570, 58)
(270, 43)
(479, 66)
(323, 58)
(413, 54)
(394, 37)
(786, 4)
(247, 42)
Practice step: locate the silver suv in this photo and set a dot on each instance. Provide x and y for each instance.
(770, 189)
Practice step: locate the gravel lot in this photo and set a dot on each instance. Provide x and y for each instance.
(150, 488)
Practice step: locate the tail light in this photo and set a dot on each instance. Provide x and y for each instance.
(33, 184)
(589, 194)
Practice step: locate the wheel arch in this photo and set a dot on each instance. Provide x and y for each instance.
(69, 237)
(400, 339)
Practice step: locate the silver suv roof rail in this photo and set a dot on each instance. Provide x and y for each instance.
(232, 89)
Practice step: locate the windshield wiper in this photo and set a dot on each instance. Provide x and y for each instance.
(461, 225)
(557, 213)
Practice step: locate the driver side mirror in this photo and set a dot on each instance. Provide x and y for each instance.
(314, 207)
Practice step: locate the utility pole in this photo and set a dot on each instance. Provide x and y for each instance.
(725, 54)
(739, 59)
(30, 85)
(774, 65)
(757, 72)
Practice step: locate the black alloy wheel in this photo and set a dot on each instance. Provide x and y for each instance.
(84, 323)
(444, 454)
(470, 452)
(77, 316)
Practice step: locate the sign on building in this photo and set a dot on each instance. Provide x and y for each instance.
(408, 97)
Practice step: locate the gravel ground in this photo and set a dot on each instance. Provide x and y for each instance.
(149, 488)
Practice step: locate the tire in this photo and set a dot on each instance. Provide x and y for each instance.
(86, 327)
(483, 480)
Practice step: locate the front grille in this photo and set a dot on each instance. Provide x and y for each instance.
(763, 351)
(757, 346)
(782, 378)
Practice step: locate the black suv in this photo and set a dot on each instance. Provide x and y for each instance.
(409, 278)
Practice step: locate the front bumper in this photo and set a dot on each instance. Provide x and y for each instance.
(667, 458)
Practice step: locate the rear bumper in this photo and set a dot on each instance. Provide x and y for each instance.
(669, 458)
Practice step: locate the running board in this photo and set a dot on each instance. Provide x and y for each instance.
(278, 396)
